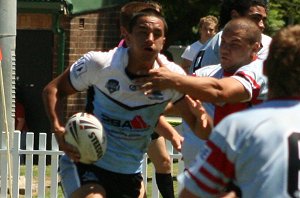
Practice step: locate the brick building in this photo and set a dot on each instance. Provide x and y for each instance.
(48, 41)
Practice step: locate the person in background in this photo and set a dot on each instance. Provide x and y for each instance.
(20, 123)
(207, 28)
(255, 10)
(258, 148)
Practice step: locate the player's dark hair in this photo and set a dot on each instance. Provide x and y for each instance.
(147, 12)
(240, 6)
(130, 8)
(282, 65)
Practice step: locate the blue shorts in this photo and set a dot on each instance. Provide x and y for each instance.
(74, 175)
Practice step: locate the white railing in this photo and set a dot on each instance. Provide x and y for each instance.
(35, 186)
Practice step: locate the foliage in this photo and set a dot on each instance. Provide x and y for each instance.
(183, 16)
(275, 19)
(290, 10)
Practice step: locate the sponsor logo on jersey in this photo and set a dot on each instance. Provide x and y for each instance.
(156, 95)
(112, 85)
(137, 123)
(79, 67)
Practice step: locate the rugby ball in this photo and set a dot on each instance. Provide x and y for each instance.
(86, 133)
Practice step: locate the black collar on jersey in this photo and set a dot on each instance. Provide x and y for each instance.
(131, 75)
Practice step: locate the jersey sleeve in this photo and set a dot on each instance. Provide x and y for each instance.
(214, 167)
(253, 80)
(85, 71)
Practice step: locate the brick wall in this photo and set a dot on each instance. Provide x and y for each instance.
(34, 21)
(93, 31)
(85, 32)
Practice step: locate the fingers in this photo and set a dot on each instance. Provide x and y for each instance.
(160, 64)
(190, 102)
(198, 110)
(72, 152)
(69, 149)
(147, 88)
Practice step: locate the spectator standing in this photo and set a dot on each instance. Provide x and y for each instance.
(20, 125)
(256, 10)
(207, 28)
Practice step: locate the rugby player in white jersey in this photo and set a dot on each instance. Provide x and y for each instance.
(157, 151)
(256, 10)
(129, 117)
(257, 148)
(235, 84)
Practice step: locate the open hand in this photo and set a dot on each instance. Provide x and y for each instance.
(204, 123)
(157, 79)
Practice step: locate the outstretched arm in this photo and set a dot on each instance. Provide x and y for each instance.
(207, 89)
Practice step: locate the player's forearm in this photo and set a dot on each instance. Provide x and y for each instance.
(202, 88)
(52, 102)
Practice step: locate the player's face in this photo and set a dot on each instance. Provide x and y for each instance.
(235, 51)
(147, 37)
(258, 15)
(207, 31)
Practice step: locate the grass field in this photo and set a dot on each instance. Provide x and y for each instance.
(60, 194)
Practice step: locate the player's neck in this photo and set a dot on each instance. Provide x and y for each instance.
(138, 65)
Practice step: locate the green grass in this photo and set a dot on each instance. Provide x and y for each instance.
(60, 194)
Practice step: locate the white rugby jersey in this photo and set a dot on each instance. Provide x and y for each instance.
(254, 82)
(209, 54)
(250, 76)
(129, 117)
(258, 149)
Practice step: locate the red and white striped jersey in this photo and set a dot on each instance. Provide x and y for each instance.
(258, 149)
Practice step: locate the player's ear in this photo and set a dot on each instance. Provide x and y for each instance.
(164, 41)
(123, 31)
(127, 38)
(255, 48)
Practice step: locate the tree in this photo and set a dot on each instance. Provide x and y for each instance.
(183, 15)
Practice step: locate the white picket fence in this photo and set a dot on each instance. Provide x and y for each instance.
(35, 186)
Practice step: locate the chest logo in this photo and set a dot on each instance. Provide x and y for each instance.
(112, 85)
